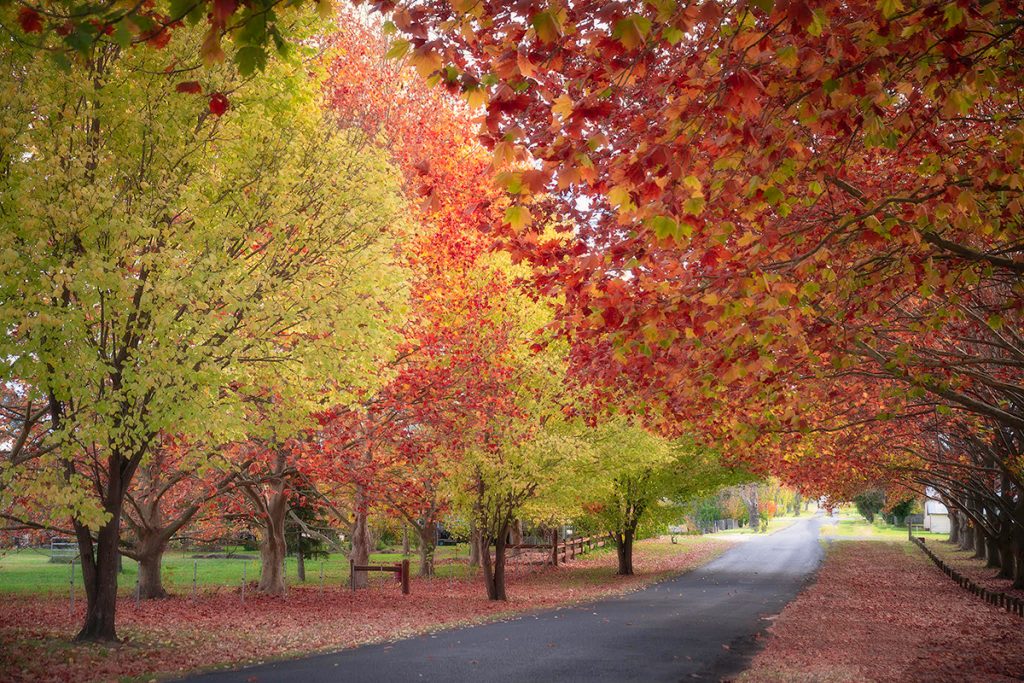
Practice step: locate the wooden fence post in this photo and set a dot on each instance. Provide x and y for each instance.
(405, 577)
(352, 574)
(554, 547)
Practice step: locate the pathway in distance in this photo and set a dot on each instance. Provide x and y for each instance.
(701, 625)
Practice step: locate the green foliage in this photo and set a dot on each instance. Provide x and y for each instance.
(869, 503)
(296, 539)
(643, 481)
(899, 512)
(162, 266)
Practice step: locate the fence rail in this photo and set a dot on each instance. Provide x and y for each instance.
(63, 552)
(401, 571)
(1010, 603)
(567, 548)
(571, 547)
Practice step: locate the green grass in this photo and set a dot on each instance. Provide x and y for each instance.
(856, 526)
(30, 571)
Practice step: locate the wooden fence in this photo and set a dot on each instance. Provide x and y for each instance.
(568, 548)
(1009, 603)
(401, 571)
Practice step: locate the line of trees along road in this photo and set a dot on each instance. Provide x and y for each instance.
(680, 241)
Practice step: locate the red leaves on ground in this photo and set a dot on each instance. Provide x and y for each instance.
(178, 634)
(883, 612)
(964, 562)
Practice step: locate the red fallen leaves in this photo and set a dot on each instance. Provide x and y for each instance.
(965, 563)
(30, 20)
(178, 635)
(883, 612)
(218, 104)
(190, 87)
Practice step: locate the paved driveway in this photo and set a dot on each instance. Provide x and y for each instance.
(701, 625)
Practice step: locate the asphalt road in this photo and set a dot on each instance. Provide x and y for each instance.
(699, 626)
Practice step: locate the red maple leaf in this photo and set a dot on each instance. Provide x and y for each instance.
(218, 104)
(30, 20)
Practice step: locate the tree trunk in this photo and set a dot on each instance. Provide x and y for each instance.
(954, 527)
(1006, 559)
(360, 545)
(405, 539)
(624, 549)
(99, 558)
(752, 505)
(1018, 562)
(992, 552)
(967, 536)
(979, 543)
(272, 564)
(99, 572)
(474, 546)
(150, 582)
(272, 547)
(494, 574)
(517, 532)
(428, 541)
(301, 561)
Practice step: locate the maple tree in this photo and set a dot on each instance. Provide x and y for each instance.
(784, 202)
(162, 259)
(636, 479)
(449, 407)
(167, 496)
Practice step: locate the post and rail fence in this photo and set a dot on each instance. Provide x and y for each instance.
(401, 571)
(567, 548)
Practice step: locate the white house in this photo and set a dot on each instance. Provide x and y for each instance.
(936, 516)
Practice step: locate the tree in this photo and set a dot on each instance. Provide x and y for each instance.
(766, 226)
(869, 503)
(165, 256)
(167, 494)
(301, 533)
(644, 478)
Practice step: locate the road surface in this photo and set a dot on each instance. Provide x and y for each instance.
(698, 626)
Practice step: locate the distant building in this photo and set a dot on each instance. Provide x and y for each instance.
(936, 516)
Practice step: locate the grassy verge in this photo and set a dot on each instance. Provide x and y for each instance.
(29, 571)
(856, 527)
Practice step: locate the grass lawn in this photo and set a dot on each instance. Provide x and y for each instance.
(30, 571)
(855, 526)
